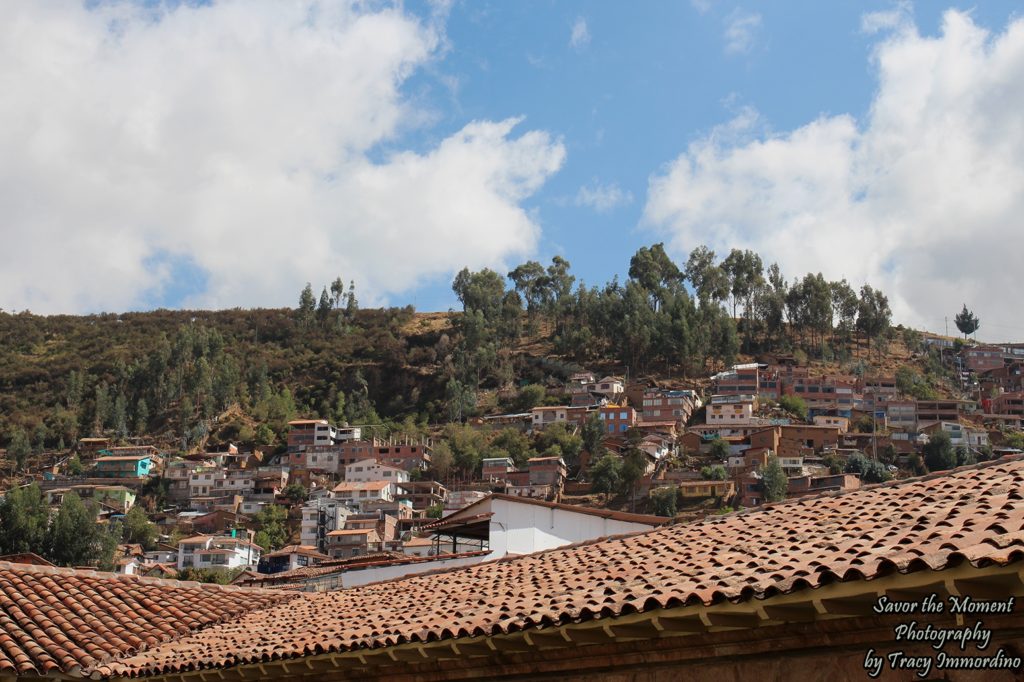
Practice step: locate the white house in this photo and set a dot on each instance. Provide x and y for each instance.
(503, 525)
(321, 516)
(217, 552)
(610, 387)
(354, 493)
(657, 446)
(291, 557)
(237, 482)
(732, 409)
(371, 470)
(793, 466)
(204, 480)
(544, 416)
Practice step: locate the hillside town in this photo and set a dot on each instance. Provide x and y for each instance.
(336, 508)
(420, 341)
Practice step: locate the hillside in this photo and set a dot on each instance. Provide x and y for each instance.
(190, 379)
(250, 366)
(156, 372)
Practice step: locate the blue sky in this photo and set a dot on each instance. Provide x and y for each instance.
(650, 79)
(222, 154)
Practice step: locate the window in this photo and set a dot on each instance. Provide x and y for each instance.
(624, 415)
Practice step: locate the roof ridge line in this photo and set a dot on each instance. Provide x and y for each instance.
(872, 486)
(110, 575)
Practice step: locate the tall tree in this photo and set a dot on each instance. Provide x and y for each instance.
(844, 307)
(593, 436)
(483, 291)
(307, 306)
(351, 303)
(18, 449)
(774, 480)
(967, 322)
(141, 417)
(938, 452)
(655, 272)
(531, 281)
(560, 281)
(337, 292)
(101, 408)
(24, 517)
(273, 529)
(138, 529)
(323, 308)
(707, 277)
(745, 272)
(873, 313)
(120, 417)
(606, 474)
(75, 539)
(770, 302)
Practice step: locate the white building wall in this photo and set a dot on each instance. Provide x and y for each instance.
(526, 528)
(355, 578)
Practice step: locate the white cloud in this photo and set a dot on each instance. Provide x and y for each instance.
(603, 198)
(702, 6)
(237, 139)
(900, 16)
(924, 197)
(580, 36)
(741, 29)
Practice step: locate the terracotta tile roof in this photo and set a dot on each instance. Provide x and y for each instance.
(302, 550)
(355, 486)
(25, 558)
(59, 619)
(372, 560)
(973, 515)
(418, 542)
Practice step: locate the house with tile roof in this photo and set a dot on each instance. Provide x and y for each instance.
(805, 589)
(372, 470)
(217, 552)
(353, 542)
(289, 558)
(354, 493)
(123, 466)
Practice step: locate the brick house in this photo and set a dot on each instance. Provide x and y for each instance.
(668, 405)
(352, 542)
(617, 419)
(982, 358)
(1009, 403)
